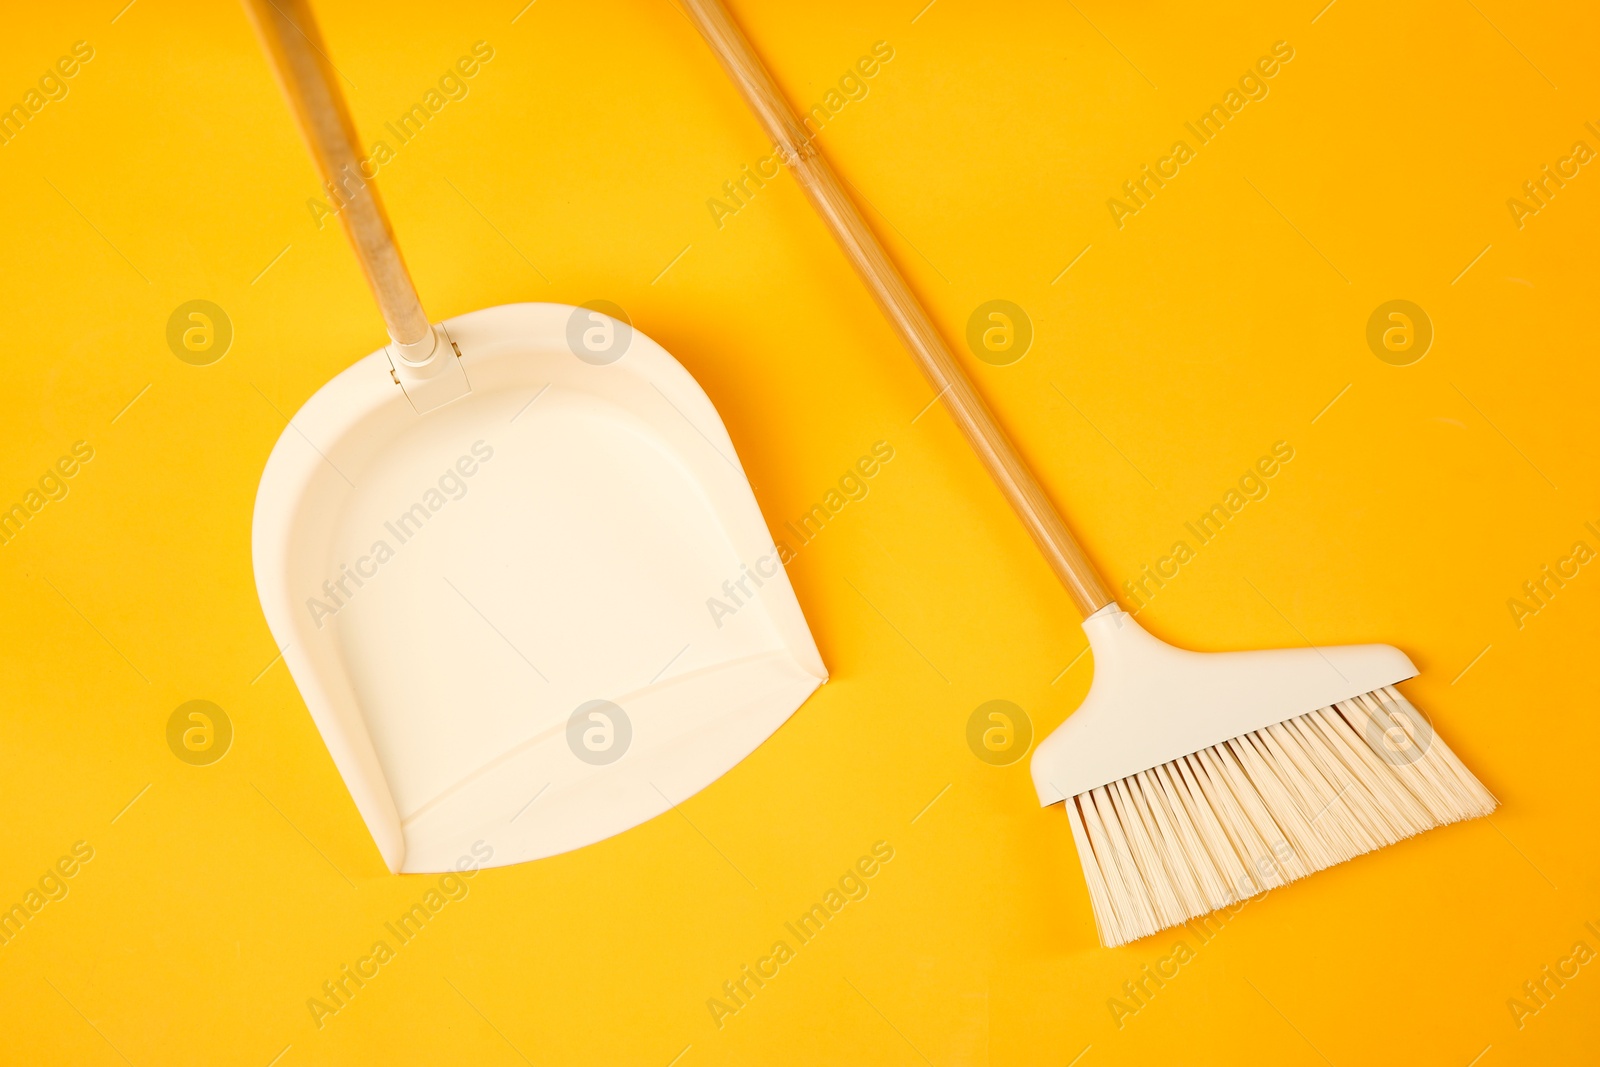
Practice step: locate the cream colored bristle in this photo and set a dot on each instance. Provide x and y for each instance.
(1227, 822)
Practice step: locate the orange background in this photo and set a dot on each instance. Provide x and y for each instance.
(1223, 317)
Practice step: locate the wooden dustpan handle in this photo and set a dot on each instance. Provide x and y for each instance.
(289, 34)
(894, 296)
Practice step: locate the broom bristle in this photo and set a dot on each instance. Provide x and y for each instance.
(1211, 828)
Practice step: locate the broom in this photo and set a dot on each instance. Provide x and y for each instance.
(1190, 780)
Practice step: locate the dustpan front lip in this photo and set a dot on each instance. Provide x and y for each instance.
(659, 779)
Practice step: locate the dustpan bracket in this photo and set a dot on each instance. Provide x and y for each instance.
(431, 376)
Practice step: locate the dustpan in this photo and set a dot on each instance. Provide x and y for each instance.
(498, 554)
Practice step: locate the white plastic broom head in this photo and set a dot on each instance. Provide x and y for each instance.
(1193, 780)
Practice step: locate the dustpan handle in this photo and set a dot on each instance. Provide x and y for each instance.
(289, 33)
(894, 296)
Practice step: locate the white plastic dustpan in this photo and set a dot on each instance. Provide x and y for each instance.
(487, 552)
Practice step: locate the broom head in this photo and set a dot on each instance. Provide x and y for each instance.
(1194, 780)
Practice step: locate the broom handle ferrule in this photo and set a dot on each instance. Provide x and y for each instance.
(823, 188)
(300, 60)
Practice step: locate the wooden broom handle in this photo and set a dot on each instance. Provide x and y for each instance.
(294, 45)
(799, 150)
